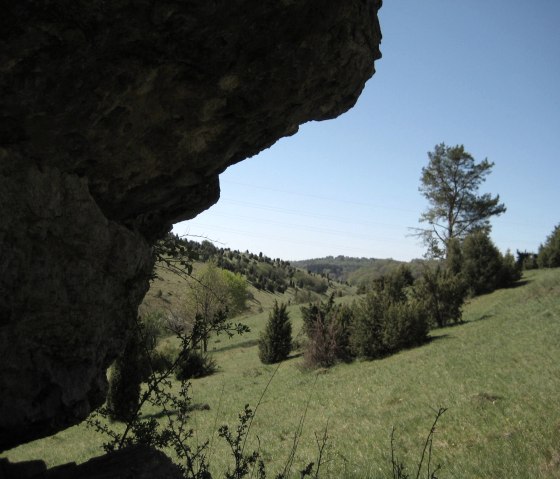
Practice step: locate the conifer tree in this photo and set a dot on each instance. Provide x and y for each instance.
(124, 386)
(275, 342)
(450, 183)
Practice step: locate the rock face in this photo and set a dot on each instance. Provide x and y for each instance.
(117, 118)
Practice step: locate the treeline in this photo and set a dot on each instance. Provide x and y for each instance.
(264, 273)
(548, 255)
(357, 271)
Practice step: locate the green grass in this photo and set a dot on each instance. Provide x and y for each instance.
(498, 374)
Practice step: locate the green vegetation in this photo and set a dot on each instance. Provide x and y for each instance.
(275, 342)
(359, 272)
(450, 183)
(498, 374)
(549, 252)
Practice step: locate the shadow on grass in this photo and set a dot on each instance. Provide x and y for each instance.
(519, 284)
(244, 344)
(433, 339)
(192, 407)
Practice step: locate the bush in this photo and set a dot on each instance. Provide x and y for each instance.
(164, 356)
(150, 330)
(387, 319)
(366, 337)
(511, 271)
(442, 295)
(124, 385)
(482, 263)
(484, 269)
(194, 363)
(275, 343)
(526, 260)
(328, 330)
(549, 252)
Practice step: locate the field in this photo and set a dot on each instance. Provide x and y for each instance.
(498, 374)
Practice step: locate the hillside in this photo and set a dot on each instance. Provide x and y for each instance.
(498, 374)
(355, 271)
(266, 279)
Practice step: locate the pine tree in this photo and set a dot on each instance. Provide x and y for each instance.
(275, 342)
(450, 183)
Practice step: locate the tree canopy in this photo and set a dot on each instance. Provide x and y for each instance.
(549, 252)
(450, 183)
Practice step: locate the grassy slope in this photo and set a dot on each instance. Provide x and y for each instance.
(499, 375)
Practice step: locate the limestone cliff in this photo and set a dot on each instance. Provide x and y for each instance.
(117, 118)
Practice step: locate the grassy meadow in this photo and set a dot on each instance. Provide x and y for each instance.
(498, 374)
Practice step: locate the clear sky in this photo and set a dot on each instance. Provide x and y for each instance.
(482, 73)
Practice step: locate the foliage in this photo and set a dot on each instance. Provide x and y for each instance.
(450, 183)
(214, 293)
(151, 329)
(175, 254)
(511, 271)
(526, 260)
(175, 408)
(328, 341)
(549, 252)
(275, 343)
(442, 293)
(356, 271)
(484, 269)
(236, 442)
(193, 363)
(237, 292)
(327, 327)
(474, 368)
(124, 385)
(388, 318)
(310, 282)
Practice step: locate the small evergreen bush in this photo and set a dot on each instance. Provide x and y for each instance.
(124, 383)
(275, 343)
(193, 363)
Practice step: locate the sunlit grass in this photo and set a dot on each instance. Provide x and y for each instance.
(498, 374)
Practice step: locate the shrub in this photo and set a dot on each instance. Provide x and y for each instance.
(366, 336)
(124, 385)
(442, 295)
(387, 319)
(482, 263)
(328, 331)
(163, 357)
(549, 252)
(484, 269)
(511, 271)
(275, 343)
(194, 363)
(405, 325)
(526, 260)
(150, 330)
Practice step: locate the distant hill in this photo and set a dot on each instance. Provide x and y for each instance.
(267, 279)
(355, 271)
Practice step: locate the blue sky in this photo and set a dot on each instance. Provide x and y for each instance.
(485, 74)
